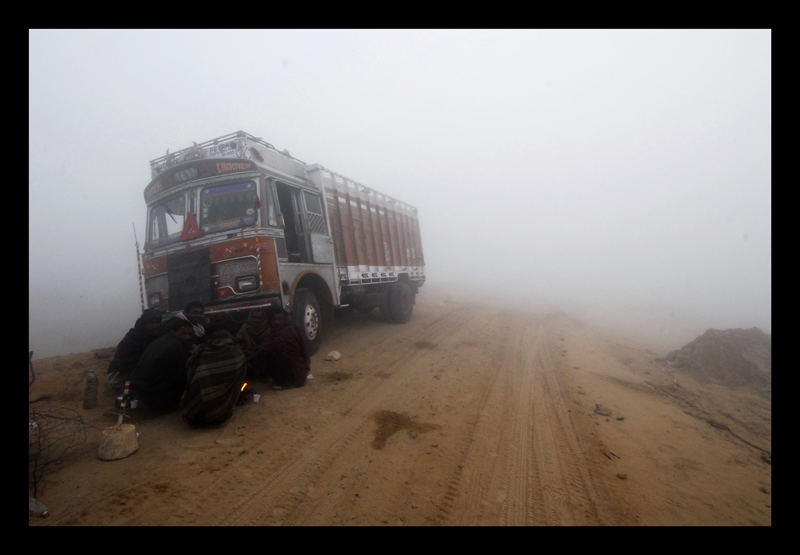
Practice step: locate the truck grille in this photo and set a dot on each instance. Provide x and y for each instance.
(189, 278)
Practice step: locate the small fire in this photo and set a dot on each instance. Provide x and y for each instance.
(243, 386)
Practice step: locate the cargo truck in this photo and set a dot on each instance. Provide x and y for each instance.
(237, 224)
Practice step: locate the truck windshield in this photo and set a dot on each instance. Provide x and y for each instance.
(228, 206)
(167, 219)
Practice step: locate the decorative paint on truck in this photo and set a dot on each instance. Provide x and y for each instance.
(236, 224)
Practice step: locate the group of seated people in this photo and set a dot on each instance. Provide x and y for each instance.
(185, 363)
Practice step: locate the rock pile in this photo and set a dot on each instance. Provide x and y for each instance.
(735, 357)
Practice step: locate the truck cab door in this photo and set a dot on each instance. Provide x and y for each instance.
(291, 219)
(304, 225)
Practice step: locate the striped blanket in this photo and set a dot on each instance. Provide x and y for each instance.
(215, 374)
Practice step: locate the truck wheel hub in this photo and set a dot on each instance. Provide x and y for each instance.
(311, 322)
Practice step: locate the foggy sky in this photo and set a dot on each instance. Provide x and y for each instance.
(624, 170)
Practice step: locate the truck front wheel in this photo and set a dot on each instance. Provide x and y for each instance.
(308, 317)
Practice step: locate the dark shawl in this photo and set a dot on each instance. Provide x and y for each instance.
(133, 344)
(215, 374)
(251, 337)
(159, 378)
(288, 349)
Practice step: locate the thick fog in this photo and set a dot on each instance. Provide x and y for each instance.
(619, 174)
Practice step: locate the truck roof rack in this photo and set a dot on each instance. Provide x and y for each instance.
(232, 145)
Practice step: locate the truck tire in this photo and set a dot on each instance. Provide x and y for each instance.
(400, 302)
(308, 317)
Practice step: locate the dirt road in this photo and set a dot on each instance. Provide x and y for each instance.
(463, 416)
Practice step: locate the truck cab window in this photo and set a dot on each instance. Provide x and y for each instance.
(316, 219)
(229, 206)
(167, 220)
(272, 218)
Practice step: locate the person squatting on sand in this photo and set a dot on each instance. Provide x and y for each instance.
(159, 378)
(283, 355)
(252, 335)
(145, 330)
(194, 313)
(215, 378)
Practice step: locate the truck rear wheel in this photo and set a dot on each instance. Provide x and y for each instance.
(308, 317)
(400, 302)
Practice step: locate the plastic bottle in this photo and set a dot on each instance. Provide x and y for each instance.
(90, 393)
(35, 506)
(125, 400)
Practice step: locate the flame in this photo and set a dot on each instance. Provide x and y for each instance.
(243, 386)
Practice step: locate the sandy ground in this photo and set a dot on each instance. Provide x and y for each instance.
(463, 416)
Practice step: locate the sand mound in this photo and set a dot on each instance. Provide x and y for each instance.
(736, 357)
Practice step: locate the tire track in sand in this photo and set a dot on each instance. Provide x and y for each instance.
(289, 493)
(468, 490)
(531, 467)
(491, 328)
(567, 489)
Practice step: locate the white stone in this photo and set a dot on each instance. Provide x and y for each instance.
(118, 443)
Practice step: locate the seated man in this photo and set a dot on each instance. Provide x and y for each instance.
(215, 375)
(252, 335)
(283, 355)
(194, 313)
(159, 378)
(144, 331)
